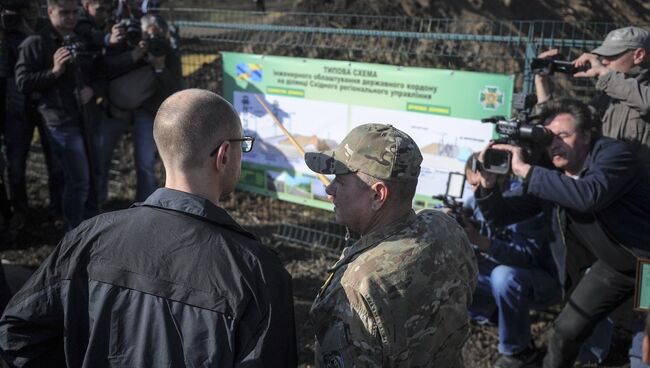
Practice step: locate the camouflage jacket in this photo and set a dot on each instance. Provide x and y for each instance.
(398, 297)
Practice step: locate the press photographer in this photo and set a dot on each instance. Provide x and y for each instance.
(153, 73)
(95, 25)
(621, 66)
(21, 115)
(47, 67)
(598, 196)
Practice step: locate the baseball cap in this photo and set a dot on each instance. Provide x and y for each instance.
(379, 150)
(622, 39)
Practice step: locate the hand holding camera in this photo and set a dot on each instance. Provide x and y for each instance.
(118, 33)
(62, 56)
(518, 164)
(591, 65)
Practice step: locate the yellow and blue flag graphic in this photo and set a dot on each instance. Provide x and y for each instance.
(249, 72)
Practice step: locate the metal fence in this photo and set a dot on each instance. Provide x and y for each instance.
(485, 46)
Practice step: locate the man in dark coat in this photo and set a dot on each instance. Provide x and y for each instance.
(171, 282)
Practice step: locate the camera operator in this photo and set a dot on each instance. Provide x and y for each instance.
(93, 25)
(134, 98)
(61, 75)
(22, 118)
(599, 197)
(621, 68)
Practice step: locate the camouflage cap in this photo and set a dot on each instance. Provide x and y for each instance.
(623, 39)
(379, 150)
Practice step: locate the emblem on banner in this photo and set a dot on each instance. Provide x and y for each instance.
(491, 98)
(249, 72)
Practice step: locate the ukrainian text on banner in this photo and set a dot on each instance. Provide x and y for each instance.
(291, 104)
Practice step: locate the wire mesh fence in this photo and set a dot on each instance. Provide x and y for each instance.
(485, 46)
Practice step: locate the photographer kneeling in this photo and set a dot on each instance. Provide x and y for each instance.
(134, 97)
(600, 196)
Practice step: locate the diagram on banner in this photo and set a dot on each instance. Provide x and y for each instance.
(317, 126)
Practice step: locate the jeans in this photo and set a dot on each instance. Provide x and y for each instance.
(144, 148)
(636, 350)
(19, 131)
(68, 146)
(598, 294)
(513, 291)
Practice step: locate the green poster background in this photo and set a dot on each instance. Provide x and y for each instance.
(347, 91)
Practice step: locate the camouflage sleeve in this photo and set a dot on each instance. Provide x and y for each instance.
(352, 339)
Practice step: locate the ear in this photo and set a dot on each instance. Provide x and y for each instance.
(640, 55)
(380, 194)
(223, 156)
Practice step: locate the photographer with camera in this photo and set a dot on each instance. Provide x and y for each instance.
(93, 25)
(621, 66)
(134, 98)
(516, 273)
(52, 64)
(598, 196)
(22, 117)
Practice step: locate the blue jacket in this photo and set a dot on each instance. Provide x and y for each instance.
(612, 186)
(521, 244)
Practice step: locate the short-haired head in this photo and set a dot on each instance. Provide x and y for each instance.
(585, 117)
(154, 20)
(190, 124)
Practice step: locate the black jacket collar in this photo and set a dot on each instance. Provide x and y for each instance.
(192, 205)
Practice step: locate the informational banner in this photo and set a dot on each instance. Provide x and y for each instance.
(292, 105)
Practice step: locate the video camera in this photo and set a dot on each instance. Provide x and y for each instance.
(553, 65)
(157, 46)
(519, 131)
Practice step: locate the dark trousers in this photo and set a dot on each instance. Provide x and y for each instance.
(607, 285)
(22, 118)
(597, 295)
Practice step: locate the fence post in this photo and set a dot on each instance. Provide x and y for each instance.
(531, 53)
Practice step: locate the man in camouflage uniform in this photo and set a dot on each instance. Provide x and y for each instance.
(397, 297)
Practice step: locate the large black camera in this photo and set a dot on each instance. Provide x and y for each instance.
(157, 46)
(80, 54)
(133, 30)
(522, 131)
(554, 65)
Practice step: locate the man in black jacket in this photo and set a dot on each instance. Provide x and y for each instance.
(598, 195)
(62, 80)
(171, 282)
(22, 119)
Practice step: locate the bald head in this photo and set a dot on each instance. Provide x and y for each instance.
(190, 124)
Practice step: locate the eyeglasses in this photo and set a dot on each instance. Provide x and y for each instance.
(246, 144)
